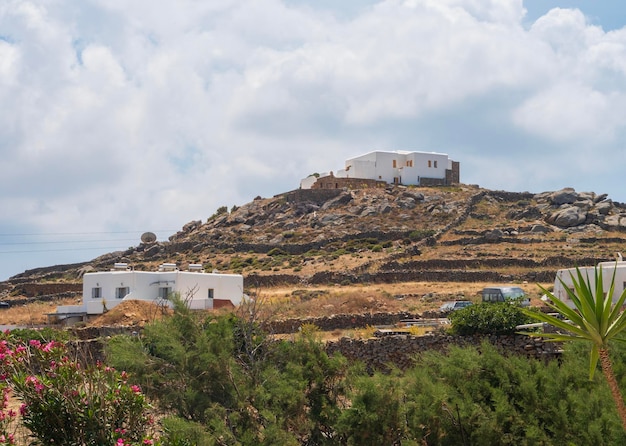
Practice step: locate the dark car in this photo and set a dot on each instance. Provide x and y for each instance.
(4, 305)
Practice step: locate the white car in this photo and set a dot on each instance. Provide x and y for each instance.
(455, 305)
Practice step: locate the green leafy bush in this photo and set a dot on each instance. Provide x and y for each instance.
(225, 383)
(487, 318)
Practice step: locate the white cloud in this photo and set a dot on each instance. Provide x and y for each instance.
(139, 114)
(569, 112)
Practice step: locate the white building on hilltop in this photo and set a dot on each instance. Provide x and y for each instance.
(394, 167)
(105, 290)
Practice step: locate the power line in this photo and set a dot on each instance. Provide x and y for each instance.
(96, 248)
(68, 241)
(15, 234)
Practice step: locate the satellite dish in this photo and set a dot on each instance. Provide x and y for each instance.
(148, 237)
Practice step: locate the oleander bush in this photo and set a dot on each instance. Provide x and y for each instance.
(65, 401)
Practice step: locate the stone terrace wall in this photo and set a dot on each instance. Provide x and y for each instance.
(331, 277)
(400, 351)
(40, 289)
(342, 321)
(377, 354)
(332, 182)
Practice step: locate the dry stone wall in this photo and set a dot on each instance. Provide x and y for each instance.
(41, 289)
(341, 321)
(400, 351)
(379, 354)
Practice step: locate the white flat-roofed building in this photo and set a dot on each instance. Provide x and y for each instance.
(105, 290)
(397, 167)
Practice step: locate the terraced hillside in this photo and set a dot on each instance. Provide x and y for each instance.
(393, 235)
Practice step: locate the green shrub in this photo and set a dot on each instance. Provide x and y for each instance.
(420, 234)
(487, 318)
(180, 432)
(276, 252)
(339, 253)
(220, 211)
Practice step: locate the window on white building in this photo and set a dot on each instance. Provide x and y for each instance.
(211, 293)
(394, 164)
(121, 292)
(435, 164)
(430, 163)
(164, 292)
(96, 293)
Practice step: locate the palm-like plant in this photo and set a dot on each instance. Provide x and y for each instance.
(595, 319)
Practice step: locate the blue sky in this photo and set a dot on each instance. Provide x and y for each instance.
(123, 117)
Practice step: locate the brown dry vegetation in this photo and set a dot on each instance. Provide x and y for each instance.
(234, 245)
(288, 302)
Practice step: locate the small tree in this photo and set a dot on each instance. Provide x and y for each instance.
(595, 319)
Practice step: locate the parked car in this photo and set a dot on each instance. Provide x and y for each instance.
(511, 294)
(455, 305)
(4, 305)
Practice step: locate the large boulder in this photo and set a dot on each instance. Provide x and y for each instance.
(567, 217)
(604, 207)
(564, 196)
(338, 201)
(615, 221)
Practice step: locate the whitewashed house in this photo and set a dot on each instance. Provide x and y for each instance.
(105, 290)
(564, 279)
(395, 167)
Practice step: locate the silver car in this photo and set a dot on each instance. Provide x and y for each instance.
(455, 305)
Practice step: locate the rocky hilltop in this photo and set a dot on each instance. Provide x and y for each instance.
(392, 234)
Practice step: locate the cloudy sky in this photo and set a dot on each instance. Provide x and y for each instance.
(121, 117)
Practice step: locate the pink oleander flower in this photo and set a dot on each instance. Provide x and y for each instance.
(148, 441)
(35, 382)
(7, 439)
(23, 409)
(49, 346)
(31, 379)
(34, 343)
(135, 389)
